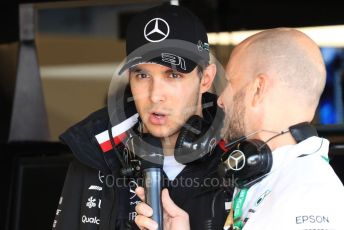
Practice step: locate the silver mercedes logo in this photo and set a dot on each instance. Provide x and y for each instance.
(156, 30)
(236, 160)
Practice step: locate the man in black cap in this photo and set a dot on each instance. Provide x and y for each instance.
(166, 101)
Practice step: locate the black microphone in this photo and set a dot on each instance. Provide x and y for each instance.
(152, 157)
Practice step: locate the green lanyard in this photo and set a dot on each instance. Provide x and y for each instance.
(239, 201)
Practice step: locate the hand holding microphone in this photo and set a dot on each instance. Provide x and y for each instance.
(159, 212)
(149, 150)
(174, 217)
(152, 179)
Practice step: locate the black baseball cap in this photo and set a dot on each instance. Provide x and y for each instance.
(168, 35)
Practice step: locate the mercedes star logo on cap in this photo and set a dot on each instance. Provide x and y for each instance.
(236, 160)
(161, 28)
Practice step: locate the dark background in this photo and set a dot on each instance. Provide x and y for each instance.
(221, 15)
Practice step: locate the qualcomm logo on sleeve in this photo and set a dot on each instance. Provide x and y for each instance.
(91, 202)
(91, 220)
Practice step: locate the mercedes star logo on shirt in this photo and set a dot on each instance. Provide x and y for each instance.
(156, 30)
(236, 160)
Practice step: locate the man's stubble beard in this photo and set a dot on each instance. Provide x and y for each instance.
(234, 127)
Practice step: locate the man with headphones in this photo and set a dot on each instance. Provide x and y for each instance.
(283, 179)
(166, 101)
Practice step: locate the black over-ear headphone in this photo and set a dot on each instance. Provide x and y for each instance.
(251, 160)
(200, 135)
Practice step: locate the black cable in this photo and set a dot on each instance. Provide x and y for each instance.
(213, 202)
(208, 224)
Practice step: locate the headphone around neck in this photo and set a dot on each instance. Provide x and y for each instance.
(251, 159)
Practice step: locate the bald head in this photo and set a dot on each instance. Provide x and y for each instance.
(275, 80)
(288, 56)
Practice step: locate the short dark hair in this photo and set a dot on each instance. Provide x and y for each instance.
(200, 69)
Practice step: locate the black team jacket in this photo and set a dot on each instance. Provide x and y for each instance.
(96, 196)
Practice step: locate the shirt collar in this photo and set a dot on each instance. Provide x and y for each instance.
(310, 146)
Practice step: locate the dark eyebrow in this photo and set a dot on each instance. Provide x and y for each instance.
(172, 71)
(136, 69)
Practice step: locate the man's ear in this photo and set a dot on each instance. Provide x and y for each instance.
(208, 78)
(259, 88)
